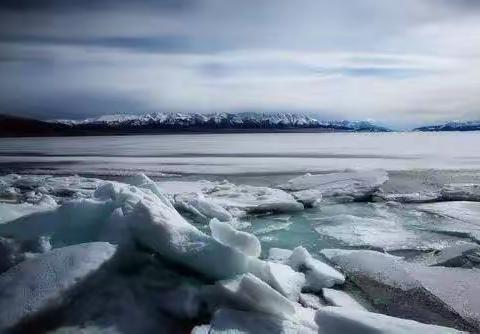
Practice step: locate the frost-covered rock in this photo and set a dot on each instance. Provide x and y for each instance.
(414, 291)
(242, 241)
(201, 208)
(343, 186)
(44, 282)
(253, 199)
(318, 274)
(352, 321)
(341, 298)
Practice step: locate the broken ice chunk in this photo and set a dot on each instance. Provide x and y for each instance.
(253, 199)
(201, 329)
(160, 227)
(318, 274)
(226, 321)
(242, 241)
(311, 301)
(44, 282)
(285, 280)
(279, 255)
(252, 294)
(341, 298)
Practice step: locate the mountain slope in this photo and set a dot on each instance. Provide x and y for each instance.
(12, 126)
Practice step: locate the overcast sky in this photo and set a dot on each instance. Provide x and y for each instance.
(402, 63)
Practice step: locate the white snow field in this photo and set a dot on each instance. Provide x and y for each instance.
(139, 256)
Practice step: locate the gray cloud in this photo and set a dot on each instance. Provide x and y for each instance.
(413, 62)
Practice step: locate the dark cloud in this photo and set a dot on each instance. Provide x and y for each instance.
(156, 44)
(66, 5)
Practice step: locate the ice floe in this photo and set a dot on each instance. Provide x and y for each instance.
(463, 218)
(346, 186)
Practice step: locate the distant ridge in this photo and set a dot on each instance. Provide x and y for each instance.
(158, 123)
(254, 121)
(452, 126)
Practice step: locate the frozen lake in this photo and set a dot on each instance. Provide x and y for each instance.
(348, 212)
(253, 154)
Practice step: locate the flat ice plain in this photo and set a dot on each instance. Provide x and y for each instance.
(241, 233)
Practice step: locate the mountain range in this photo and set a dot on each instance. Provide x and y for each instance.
(217, 122)
(169, 122)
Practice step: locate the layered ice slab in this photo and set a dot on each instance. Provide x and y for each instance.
(201, 208)
(349, 321)
(440, 295)
(462, 218)
(244, 242)
(344, 187)
(448, 192)
(463, 254)
(48, 280)
(341, 299)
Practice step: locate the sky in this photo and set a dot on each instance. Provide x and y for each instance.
(401, 63)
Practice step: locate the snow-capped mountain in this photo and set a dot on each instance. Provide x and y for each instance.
(212, 121)
(452, 126)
